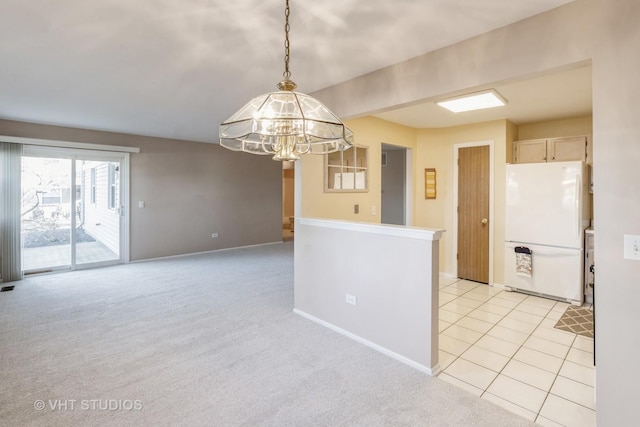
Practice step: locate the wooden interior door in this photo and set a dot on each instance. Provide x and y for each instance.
(473, 213)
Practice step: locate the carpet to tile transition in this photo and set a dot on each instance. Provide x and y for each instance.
(207, 339)
(578, 320)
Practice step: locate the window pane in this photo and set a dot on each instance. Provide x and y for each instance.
(361, 158)
(334, 159)
(347, 170)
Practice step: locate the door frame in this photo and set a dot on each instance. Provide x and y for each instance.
(75, 154)
(456, 151)
(408, 188)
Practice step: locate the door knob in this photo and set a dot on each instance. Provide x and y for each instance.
(484, 220)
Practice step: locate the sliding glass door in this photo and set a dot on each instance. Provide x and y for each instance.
(73, 209)
(99, 211)
(46, 213)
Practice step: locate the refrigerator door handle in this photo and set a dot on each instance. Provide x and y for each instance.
(578, 224)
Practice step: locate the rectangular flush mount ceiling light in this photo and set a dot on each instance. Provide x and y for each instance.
(473, 101)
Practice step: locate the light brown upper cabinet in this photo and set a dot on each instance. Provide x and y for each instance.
(552, 150)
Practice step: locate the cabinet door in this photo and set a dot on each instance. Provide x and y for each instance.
(567, 149)
(532, 151)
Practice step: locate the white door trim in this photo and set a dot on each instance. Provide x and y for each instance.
(408, 188)
(454, 245)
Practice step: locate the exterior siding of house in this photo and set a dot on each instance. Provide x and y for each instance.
(98, 219)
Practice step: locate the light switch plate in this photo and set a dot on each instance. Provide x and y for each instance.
(632, 247)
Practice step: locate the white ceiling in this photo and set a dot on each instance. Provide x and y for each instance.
(177, 68)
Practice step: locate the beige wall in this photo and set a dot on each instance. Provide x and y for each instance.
(604, 33)
(191, 190)
(433, 148)
(370, 132)
(557, 128)
(512, 135)
(436, 150)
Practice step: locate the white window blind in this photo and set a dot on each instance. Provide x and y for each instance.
(10, 203)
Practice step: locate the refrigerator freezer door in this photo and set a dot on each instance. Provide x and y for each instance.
(545, 204)
(555, 272)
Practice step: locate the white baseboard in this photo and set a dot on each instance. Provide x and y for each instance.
(445, 275)
(204, 252)
(420, 367)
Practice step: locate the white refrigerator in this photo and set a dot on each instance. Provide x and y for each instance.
(547, 211)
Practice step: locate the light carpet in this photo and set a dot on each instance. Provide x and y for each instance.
(203, 340)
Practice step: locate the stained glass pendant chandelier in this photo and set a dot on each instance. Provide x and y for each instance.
(285, 124)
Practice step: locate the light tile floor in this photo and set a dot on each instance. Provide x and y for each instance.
(503, 347)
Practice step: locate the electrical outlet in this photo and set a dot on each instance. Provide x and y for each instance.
(350, 299)
(356, 209)
(214, 235)
(373, 210)
(141, 204)
(631, 247)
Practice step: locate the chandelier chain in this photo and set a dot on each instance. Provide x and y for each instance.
(287, 73)
(285, 124)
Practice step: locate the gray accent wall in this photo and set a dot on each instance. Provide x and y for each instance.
(190, 189)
